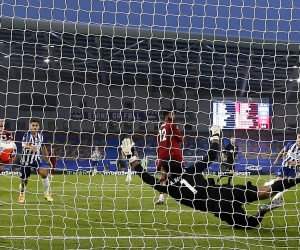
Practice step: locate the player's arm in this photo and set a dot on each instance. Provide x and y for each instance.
(177, 133)
(128, 151)
(294, 163)
(212, 153)
(279, 156)
(236, 154)
(200, 166)
(147, 178)
(26, 145)
(173, 191)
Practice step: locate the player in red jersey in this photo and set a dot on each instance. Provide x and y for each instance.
(53, 159)
(7, 157)
(4, 136)
(169, 140)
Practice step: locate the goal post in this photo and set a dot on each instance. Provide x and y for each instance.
(96, 72)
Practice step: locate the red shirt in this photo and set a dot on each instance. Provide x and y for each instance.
(168, 140)
(53, 159)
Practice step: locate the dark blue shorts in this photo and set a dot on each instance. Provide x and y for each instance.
(95, 163)
(286, 172)
(25, 171)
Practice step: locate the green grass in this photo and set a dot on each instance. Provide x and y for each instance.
(106, 213)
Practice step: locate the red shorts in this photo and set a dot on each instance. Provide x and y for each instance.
(179, 158)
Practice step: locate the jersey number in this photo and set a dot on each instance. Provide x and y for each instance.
(162, 134)
(189, 186)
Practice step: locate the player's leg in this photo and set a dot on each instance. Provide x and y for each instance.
(243, 221)
(291, 174)
(95, 168)
(25, 173)
(46, 183)
(281, 173)
(228, 168)
(240, 220)
(231, 173)
(91, 168)
(160, 200)
(265, 192)
(212, 154)
(129, 174)
(52, 170)
(222, 167)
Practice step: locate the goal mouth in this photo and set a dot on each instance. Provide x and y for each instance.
(95, 72)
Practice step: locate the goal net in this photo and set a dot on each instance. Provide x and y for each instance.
(96, 72)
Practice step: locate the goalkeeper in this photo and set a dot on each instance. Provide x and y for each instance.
(189, 187)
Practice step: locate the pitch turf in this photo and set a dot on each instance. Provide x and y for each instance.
(106, 213)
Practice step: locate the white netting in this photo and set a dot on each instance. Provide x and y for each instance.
(95, 72)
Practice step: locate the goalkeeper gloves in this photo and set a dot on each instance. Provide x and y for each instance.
(215, 132)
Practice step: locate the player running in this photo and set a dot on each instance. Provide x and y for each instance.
(190, 188)
(32, 145)
(168, 146)
(289, 164)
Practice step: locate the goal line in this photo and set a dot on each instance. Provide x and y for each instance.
(9, 237)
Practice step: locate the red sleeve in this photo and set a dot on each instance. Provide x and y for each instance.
(177, 133)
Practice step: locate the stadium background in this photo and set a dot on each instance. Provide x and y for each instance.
(141, 56)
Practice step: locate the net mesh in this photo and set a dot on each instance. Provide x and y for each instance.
(95, 73)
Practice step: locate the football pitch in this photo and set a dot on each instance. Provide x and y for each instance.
(105, 212)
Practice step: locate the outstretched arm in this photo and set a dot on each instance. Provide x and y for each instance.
(147, 178)
(212, 154)
(173, 191)
(215, 132)
(279, 156)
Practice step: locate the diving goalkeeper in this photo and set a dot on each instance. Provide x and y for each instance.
(189, 187)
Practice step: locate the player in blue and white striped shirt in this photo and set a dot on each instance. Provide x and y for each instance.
(32, 145)
(95, 157)
(289, 164)
(290, 161)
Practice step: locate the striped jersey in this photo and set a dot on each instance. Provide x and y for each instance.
(96, 155)
(29, 157)
(293, 154)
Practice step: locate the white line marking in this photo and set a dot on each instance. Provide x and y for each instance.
(93, 210)
(182, 237)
